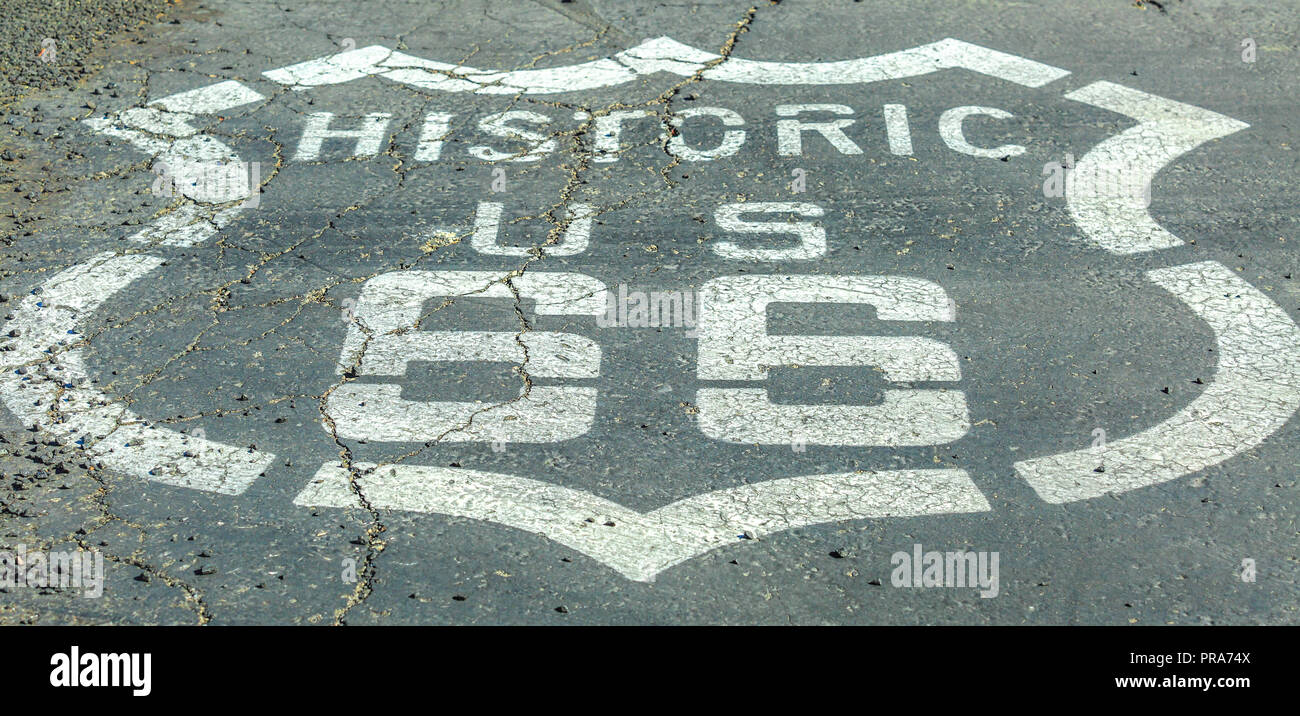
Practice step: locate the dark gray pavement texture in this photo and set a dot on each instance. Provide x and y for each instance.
(255, 331)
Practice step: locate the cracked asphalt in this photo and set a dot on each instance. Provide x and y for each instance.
(261, 335)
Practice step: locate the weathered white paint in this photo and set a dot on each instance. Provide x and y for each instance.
(812, 238)
(950, 130)
(370, 134)
(331, 69)
(609, 132)
(210, 99)
(732, 139)
(376, 412)
(1118, 221)
(140, 140)
(904, 417)
(504, 125)
(56, 393)
(897, 130)
(48, 323)
(487, 229)
(382, 340)
(789, 132)
(436, 127)
(159, 121)
(661, 54)
(189, 225)
(393, 301)
(641, 545)
(944, 54)
(1255, 390)
(734, 345)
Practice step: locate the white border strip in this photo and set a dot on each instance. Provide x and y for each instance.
(641, 545)
(1254, 392)
(1118, 221)
(53, 389)
(662, 54)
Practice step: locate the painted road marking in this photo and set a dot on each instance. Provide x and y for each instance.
(188, 225)
(811, 237)
(802, 131)
(53, 390)
(950, 129)
(662, 54)
(1255, 390)
(574, 240)
(735, 345)
(732, 139)
(369, 135)
(898, 130)
(1118, 221)
(211, 99)
(382, 340)
(641, 545)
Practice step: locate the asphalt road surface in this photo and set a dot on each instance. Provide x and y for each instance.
(627, 312)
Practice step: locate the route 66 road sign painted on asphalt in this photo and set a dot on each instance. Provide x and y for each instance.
(780, 245)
